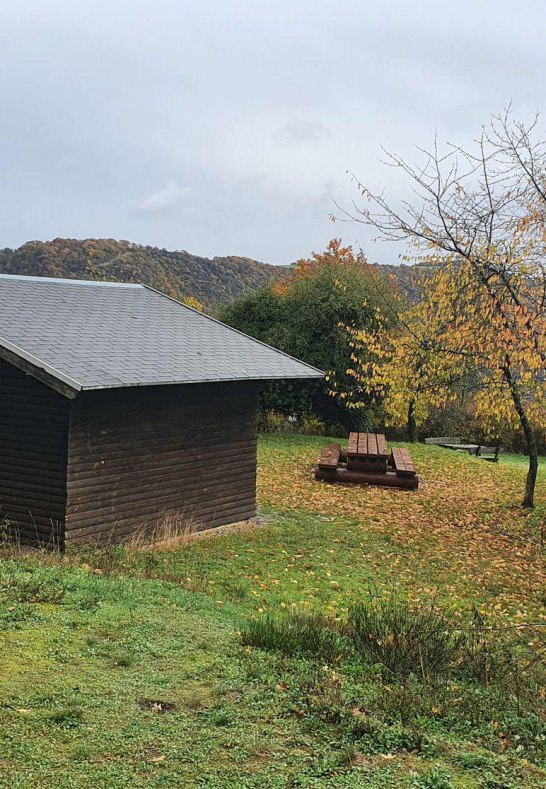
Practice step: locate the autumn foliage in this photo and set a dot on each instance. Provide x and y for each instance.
(305, 315)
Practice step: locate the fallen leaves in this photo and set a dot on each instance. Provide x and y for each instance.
(459, 533)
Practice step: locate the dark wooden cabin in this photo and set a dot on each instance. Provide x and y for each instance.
(119, 406)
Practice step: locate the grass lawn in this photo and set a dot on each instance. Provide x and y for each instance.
(127, 668)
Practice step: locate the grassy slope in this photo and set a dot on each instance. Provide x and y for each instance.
(82, 639)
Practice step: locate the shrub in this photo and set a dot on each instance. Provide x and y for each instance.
(404, 640)
(306, 635)
(274, 422)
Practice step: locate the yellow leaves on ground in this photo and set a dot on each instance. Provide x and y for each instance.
(461, 533)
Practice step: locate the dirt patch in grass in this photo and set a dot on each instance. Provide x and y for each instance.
(156, 705)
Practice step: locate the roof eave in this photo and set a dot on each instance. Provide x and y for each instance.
(38, 369)
(138, 384)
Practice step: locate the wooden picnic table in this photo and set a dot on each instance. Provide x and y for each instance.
(367, 445)
(367, 452)
(367, 460)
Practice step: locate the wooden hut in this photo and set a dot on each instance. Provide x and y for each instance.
(118, 405)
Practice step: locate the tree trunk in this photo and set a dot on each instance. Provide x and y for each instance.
(412, 425)
(530, 440)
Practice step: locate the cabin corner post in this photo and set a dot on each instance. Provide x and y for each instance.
(33, 458)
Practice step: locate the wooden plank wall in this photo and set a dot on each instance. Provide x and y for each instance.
(135, 454)
(33, 457)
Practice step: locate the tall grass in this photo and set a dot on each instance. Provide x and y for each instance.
(304, 635)
(411, 643)
(171, 530)
(405, 640)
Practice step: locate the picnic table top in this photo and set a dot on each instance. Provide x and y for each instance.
(367, 445)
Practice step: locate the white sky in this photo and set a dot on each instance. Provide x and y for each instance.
(227, 126)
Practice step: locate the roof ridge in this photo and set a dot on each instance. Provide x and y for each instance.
(69, 281)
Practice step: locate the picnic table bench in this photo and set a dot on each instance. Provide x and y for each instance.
(441, 440)
(329, 457)
(401, 462)
(479, 450)
(460, 447)
(367, 460)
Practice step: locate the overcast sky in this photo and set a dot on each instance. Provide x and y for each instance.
(227, 126)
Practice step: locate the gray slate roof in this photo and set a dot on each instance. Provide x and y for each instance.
(98, 335)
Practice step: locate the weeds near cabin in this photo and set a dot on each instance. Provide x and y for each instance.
(68, 717)
(171, 530)
(41, 585)
(436, 778)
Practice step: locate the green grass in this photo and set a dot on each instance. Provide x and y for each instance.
(125, 668)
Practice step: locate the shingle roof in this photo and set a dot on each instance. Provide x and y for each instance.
(98, 335)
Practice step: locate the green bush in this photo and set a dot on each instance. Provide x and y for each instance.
(305, 317)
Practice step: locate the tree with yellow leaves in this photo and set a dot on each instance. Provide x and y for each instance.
(479, 217)
(397, 363)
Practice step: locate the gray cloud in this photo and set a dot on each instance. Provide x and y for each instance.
(302, 130)
(170, 199)
(228, 127)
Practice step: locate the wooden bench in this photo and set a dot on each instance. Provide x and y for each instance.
(444, 440)
(330, 456)
(402, 463)
(487, 453)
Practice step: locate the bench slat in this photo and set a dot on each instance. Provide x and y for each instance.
(382, 445)
(353, 444)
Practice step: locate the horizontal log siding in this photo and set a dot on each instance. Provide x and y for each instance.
(136, 454)
(33, 457)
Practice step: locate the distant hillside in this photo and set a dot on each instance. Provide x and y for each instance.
(406, 279)
(180, 274)
(211, 281)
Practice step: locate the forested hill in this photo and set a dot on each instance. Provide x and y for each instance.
(406, 279)
(179, 274)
